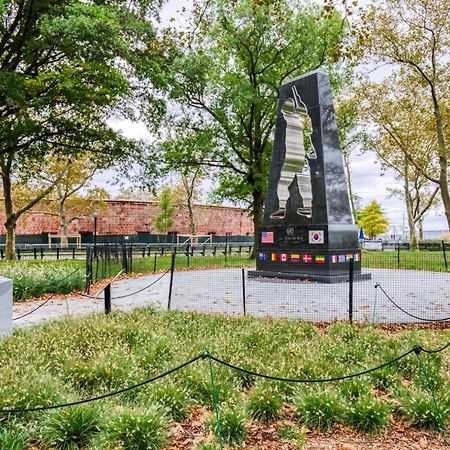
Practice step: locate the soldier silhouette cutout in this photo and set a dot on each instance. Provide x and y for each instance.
(295, 163)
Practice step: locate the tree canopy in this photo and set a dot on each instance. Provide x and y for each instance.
(66, 67)
(224, 79)
(414, 37)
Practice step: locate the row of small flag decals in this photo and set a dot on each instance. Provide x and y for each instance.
(307, 258)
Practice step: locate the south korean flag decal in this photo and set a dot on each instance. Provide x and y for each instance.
(316, 237)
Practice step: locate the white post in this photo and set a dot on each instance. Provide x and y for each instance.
(6, 307)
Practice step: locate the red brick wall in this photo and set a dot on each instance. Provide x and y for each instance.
(131, 217)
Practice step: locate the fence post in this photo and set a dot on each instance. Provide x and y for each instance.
(73, 253)
(398, 255)
(108, 298)
(187, 254)
(445, 255)
(243, 292)
(57, 252)
(172, 267)
(350, 291)
(42, 253)
(2, 254)
(88, 269)
(154, 264)
(18, 253)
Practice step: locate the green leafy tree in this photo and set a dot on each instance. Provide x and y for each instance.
(414, 36)
(226, 71)
(164, 217)
(399, 132)
(372, 220)
(65, 67)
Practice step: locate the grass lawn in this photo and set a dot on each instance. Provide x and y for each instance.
(78, 358)
(408, 259)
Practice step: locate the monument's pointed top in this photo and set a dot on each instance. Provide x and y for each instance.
(308, 74)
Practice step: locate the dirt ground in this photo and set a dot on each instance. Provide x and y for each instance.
(400, 436)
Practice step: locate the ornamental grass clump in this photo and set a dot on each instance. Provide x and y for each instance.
(173, 399)
(134, 429)
(420, 409)
(11, 439)
(264, 404)
(368, 415)
(320, 410)
(71, 428)
(233, 423)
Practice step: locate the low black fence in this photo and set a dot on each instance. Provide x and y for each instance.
(404, 286)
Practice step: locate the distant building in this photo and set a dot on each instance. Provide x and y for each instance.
(134, 219)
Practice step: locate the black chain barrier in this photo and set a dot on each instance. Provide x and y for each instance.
(100, 397)
(417, 349)
(46, 301)
(444, 319)
(142, 289)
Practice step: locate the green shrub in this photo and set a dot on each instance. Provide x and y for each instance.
(71, 428)
(264, 404)
(134, 430)
(233, 424)
(319, 410)
(368, 415)
(11, 439)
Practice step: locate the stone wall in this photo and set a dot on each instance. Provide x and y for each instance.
(125, 217)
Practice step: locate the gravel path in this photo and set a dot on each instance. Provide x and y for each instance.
(424, 294)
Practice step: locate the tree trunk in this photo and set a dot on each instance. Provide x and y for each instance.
(63, 227)
(409, 208)
(349, 184)
(258, 210)
(191, 216)
(11, 219)
(420, 225)
(443, 161)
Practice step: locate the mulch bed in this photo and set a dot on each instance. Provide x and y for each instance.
(399, 436)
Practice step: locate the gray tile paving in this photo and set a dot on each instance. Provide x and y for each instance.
(425, 294)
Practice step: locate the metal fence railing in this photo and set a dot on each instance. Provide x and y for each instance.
(405, 286)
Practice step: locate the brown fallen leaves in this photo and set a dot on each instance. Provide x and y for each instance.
(400, 436)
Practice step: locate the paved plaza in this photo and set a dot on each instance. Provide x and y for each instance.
(423, 294)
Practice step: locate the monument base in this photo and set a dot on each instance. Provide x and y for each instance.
(313, 277)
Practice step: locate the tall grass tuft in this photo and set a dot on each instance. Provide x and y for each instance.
(71, 428)
(233, 424)
(368, 415)
(320, 410)
(134, 430)
(264, 404)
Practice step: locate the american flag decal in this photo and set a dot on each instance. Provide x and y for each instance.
(267, 237)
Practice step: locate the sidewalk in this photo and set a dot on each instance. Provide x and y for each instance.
(59, 307)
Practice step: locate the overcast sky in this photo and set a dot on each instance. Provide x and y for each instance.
(366, 175)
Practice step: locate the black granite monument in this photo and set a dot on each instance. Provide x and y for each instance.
(308, 230)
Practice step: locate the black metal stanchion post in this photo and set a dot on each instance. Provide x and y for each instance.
(445, 255)
(243, 292)
(88, 269)
(172, 268)
(108, 299)
(350, 291)
(154, 263)
(187, 254)
(398, 255)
